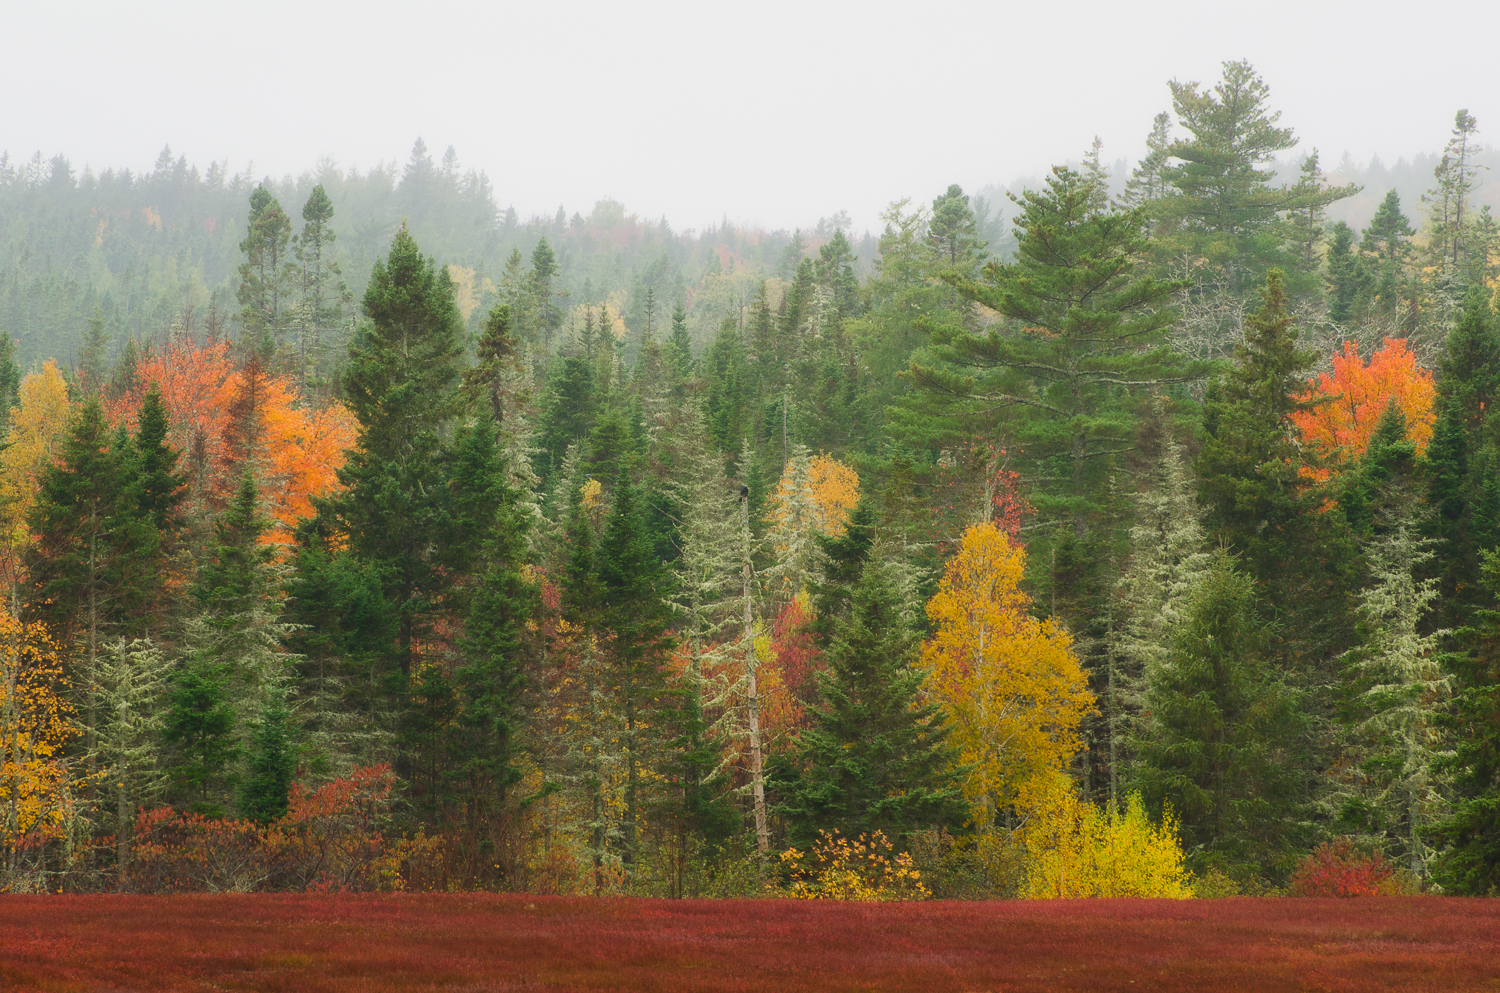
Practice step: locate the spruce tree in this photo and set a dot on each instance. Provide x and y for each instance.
(271, 763)
(1470, 862)
(633, 608)
(1218, 744)
(400, 385)
(876, 756)
(1250, 481)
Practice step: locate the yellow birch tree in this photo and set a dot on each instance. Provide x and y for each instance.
(1010, 683)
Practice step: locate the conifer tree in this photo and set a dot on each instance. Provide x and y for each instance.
(92, 362)
(876, 757)
(400, 385)
(952, 234)
(272, 762)
(1387, 229)
(1462, 474)
(1075, 277)
(1167, 564)
(1217, 746)
(1347, 278)
(90, 541)
(633, 589)
(1148, 183)
(266, 276)
(132, 678)
(1226, 204)
(681, 346)
(323, 295)
(1250, 482)
(494, 651)
(1470, 862)
(1397, 681)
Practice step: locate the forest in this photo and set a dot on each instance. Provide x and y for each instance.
(1130, 531)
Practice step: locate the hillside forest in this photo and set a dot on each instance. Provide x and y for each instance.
(1137, 527)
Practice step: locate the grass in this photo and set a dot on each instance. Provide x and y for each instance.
(492, 943)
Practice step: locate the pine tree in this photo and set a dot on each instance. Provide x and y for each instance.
(1075, 277)
(1147, 183)
(876, 757)
(1226, 203)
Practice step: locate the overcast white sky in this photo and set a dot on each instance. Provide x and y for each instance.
(770, 112)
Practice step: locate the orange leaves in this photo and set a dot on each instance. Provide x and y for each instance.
(297, 449)
(194, 382)
(1361, 393)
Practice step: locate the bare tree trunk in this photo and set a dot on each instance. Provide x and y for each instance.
(752, 698)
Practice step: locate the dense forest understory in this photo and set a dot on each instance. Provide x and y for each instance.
(1148, 544)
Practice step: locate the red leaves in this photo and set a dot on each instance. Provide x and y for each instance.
(1338, 869)
(331, 839)
(451, 941)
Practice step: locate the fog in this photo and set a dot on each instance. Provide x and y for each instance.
(772, 113)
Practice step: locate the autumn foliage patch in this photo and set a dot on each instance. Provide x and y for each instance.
(1338, 869)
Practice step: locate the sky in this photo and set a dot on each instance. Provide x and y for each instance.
(768, 113)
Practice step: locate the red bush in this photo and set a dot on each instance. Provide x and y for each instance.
(330, 840)
(1336, 868)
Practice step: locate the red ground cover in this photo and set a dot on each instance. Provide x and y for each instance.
(493, 943)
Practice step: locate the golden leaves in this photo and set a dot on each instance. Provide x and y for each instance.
(1010, 684)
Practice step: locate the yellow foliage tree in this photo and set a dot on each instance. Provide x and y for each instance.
(36, 783)
(814, 496)
(1074, 849)
(1010, 684)
(36, 428)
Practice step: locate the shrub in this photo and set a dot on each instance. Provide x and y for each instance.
(1075, 849)
(840, 868)
(330, 839)
(1337, 868)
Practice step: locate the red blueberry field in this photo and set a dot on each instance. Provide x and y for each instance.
(492, 943)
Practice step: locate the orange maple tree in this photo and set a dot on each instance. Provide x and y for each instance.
(296, 449)
(1359, 395)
